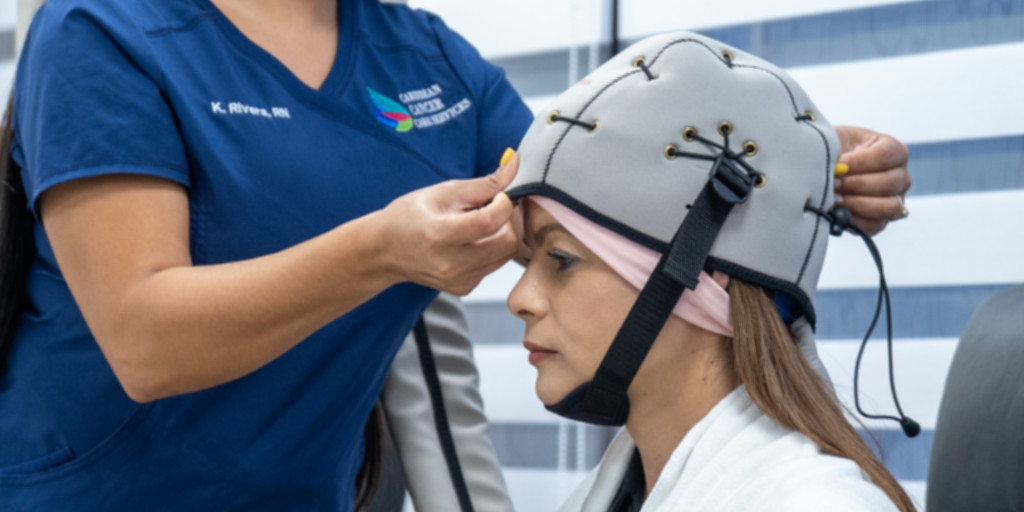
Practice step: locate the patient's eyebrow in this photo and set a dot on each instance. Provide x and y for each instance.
(542, 233)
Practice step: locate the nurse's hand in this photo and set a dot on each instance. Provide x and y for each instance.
(450, 235)
(875, 180)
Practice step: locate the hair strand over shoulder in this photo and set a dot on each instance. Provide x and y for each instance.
(779, 379)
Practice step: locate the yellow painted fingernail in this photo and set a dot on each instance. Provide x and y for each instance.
(506, 156)
(841, 169)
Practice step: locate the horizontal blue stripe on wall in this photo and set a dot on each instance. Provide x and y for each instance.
(842, 36)
(878, 32)
(976, 165)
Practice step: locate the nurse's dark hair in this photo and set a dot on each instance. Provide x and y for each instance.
(368, 477)
(781, 381)
(16, 243)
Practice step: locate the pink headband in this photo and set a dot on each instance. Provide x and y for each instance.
(707, 306)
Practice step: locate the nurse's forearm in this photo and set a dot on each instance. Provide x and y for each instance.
(167, 327)
(184, 329)
(188, 328)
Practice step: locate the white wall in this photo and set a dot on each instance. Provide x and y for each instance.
(8, 23)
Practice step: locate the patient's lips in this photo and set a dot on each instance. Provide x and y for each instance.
(537, 352)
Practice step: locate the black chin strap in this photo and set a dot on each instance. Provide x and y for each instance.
(839, 220)
(603, 401)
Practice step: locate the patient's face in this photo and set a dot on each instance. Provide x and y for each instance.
(572, 302)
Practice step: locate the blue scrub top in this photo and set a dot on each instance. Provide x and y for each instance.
(170, 88)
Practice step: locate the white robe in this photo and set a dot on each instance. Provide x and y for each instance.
(737, 458)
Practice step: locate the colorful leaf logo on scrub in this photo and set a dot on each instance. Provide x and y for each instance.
(390, 112)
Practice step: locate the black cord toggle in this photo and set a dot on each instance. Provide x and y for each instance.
(839, 221)
(839, 218)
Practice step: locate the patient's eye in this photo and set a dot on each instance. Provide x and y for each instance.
(564, 259)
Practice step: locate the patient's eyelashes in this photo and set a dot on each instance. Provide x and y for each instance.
(565, 260)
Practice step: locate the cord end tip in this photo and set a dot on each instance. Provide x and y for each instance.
(910, 427)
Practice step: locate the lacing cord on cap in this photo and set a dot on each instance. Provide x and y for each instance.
(641, 63)
(839, 220)
(555, 116)
(726, 154)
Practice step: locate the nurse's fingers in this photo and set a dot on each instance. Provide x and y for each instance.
(873, 213)
(499, 246)
(477, 192)
(485, 221)
(891, 182)
(522, 251)
(483, 257)
(865, 151)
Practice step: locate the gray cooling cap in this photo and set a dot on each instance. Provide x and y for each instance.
(613, 167)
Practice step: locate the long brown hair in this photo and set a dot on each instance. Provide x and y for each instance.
(368, 478)
(17, 246)
(783, 384)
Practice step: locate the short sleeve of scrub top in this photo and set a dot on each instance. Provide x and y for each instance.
(90, 111)
(497, 97)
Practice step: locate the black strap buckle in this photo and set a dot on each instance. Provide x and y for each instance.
(730, 181)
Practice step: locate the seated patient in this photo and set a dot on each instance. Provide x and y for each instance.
(676, 207)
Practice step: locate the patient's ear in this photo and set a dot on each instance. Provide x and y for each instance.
(721, 278)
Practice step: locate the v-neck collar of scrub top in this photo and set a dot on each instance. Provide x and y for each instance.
(337, 77)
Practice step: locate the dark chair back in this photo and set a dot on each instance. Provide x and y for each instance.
(977, 458)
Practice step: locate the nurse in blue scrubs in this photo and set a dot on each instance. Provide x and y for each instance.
(206, 191)
(221, 218)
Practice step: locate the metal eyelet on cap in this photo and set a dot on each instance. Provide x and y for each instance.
(641, 62)
(552, 116)
(810, 115)
(593, 128)
(750, 148)
(760, 180)
(728, 56)
(670, 151)
(689, 134)
(724, 128)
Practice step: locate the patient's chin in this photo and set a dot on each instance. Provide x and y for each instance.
(551, 391)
